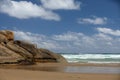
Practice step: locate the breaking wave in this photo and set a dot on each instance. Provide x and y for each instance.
(92, 58)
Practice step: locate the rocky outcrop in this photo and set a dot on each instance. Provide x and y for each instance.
(8, 34)
(22, 52)
(45, 55)
(31, 48)
(3, 38)
(8, 56)
(59, 58)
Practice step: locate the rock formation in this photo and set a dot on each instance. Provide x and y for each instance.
(21, 52)
(9, 35)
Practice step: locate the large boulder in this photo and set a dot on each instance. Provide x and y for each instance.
(22, 52)
(40, 55)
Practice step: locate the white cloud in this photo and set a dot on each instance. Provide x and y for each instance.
(25, 10)
(41, 40)
(61, 4)
(73, 41)
(109, 31)
(95, 20)
(69, 36)
(102, 36)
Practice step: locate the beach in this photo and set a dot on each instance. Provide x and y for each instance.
(56, 71)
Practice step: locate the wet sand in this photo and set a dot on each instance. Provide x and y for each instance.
(53, 71)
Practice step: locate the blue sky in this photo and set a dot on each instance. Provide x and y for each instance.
(84, 26)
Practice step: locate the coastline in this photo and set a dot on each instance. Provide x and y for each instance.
(41, 75)
(53, 71)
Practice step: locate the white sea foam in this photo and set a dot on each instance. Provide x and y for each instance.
(93, 58)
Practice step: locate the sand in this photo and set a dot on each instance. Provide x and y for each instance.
(20, 73)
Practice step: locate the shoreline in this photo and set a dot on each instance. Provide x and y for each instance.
(53, 71)
(17, 66)
(42, 75)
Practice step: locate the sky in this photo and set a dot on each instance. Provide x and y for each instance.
(69, 26)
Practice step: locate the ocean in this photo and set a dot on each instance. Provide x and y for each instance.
(92, 58)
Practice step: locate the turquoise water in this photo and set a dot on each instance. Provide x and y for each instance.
(92, 58)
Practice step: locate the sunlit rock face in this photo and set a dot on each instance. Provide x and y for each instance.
(21, 52)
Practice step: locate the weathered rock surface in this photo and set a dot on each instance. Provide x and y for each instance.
(47, 55)
(8, 34)
(31, 48)
(21, 52)
(8, 56)
(3, 38)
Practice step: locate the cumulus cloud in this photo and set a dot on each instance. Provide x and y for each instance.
(109, 31)
(102, 36)
(42, 40)
(69, 36)
(61, 4)
(25, 10)
(74, 41)
(94, 20)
